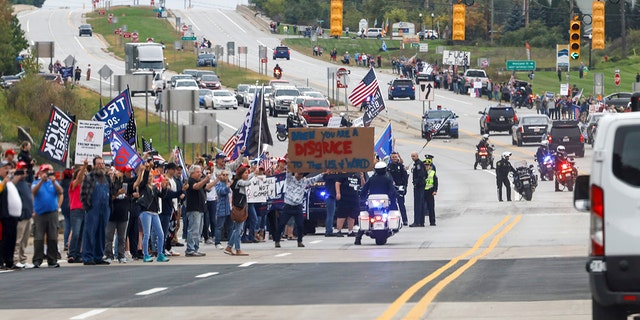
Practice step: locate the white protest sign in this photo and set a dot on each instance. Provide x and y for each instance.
(261, 189)
(89, 140)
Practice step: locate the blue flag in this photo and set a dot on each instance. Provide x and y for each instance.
(116, 115)
(384, 145)
(123, 155)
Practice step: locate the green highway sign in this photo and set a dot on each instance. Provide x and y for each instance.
(575, 56)
(521, 65)
(189, 38)
(415, 45)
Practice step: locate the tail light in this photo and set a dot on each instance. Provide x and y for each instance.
(488, 118)
(413, 88)
(393, 88)
(581, 138)
(515, 118)
(549, 139)
(521, 129)
(597, 221)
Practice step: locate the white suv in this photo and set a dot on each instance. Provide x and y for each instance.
(611, 195)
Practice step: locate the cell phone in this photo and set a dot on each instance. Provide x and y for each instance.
(19, 172)
(50, 174)
(125, 186)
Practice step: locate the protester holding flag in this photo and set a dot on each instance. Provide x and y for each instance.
(95, 195)
(369, 90)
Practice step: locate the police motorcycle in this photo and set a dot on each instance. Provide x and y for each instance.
(485, 159)
(566, 173)
(277, 72)
(546, 167)
(525, 180)
(378, 222)
(294, 121)
(522, 98)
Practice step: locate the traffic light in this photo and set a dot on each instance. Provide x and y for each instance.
(336, 18)
(597, 33)
(458, 21)
(574, 39)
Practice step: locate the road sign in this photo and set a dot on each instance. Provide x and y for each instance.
(617, 78)
(127, 35)
(424, 47)
(427, 91)
(521, 65)
(342, 80)
(575, 55)
(189, 38)
(185, 28)
(70, 61)
(117, 31)
(415, 45)
(105, 72)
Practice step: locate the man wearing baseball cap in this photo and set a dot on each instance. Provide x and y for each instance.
(9, 155)
(47, 197)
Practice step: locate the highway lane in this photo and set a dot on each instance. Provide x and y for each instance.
(547, 232)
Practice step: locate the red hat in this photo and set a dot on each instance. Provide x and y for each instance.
(9, 151)
(282, 160)
(21, 165)
(127, 169)
(44, 167)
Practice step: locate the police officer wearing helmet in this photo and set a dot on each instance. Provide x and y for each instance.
(541, 153)
(430, 190)
(484, 142)
(379, 183)
(503, 167)
(560, 157)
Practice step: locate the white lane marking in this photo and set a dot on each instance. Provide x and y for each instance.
(246, 264)
(226, 124)
(315, 241)
(88, 314)
(283, 254)
(151, 291)
(80, 44)
(234, 23)
(489, 171)
(206, 275)
(193, 23)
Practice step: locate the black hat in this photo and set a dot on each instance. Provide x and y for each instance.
(170, 166)
(221, 155)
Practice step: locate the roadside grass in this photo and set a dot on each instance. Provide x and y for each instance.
(545, 79)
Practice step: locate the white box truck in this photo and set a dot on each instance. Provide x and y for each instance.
(145, 58)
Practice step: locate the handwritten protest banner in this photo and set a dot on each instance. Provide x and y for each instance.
(89, 139)
(340, 149)
(262, 190)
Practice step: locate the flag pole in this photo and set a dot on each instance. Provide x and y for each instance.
(260, 127)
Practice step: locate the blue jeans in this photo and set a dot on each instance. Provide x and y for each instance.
(251, 223)
(75, 243)
(194, 219)
(209, 228)
(67, 226)
(331, 210)
(149, 220)
(234, 239)
(220, 222)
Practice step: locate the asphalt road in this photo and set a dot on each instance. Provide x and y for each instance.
(485, 259)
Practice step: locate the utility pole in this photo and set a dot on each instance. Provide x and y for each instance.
(623, 31)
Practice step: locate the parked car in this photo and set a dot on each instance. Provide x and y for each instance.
(530, 128)
(218, 99)
(186, 84)
(374, 33)
(85, 29)
(210, 81)
(618, 99)
(207, 59)
(281, 52)
(240, 90)
(610, 196)
(592, 124)
(568, 134)
(316, 111)
(402, 88)
(7, 82)
(433, 118)
(201, 94)
(499, 118)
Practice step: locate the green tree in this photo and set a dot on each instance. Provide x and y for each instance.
(12, 39)
(516, 20)
(37, 3)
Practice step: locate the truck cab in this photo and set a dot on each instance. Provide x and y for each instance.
(610, 195)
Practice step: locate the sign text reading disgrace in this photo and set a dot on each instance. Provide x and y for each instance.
(341, 149)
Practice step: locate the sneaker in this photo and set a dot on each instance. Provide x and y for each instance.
(122, 260)
(351, 234)
(173, 253)
(127, 254)
(219, 246)
(55, 265)
(20, 265)
(178, 244)
(277, 244)
(162, 258)
(300, 245)
(200, 254)
(209, 241)
(147, 259)
(103, 262)
(109, 260)
(29, 266)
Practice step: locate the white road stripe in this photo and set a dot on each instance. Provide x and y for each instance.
(283, 254)
(151, 291)
(206, 275)
(230, 20)
(315, 241)
(246, 264)
(88, 314)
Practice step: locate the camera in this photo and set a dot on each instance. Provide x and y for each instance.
(19, 172)
(51, 174)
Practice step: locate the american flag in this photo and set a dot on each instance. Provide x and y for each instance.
(367, 87)
(131, 131)
(147, 146)
(177, 154)
(230, 144)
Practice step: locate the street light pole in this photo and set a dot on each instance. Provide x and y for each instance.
(432, 27)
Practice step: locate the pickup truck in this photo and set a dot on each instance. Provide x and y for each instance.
(472, 75)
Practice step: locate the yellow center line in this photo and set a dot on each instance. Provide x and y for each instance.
(405, 296)
(421, 307)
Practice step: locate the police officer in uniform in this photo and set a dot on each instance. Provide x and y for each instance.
(430, 190)
(503, 167)
(379, 183)
(400, 180)
(419, 173)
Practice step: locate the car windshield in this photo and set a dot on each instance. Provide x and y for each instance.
(568, 132)
(85, 26)
(243, 87)
(403, 83)
(222, 93)
(252, 89)
(291, 92)
(316, 103)
(282, 49)
(534, 120)
(439, 114)
(210, 77)
(206, 56)
(185, 84)
(476, 74)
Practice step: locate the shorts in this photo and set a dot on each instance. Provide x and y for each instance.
(348, 210)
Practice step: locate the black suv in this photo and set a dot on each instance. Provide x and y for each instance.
(315, 207)
(85, 29)
(497, 118)
(566, 133)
